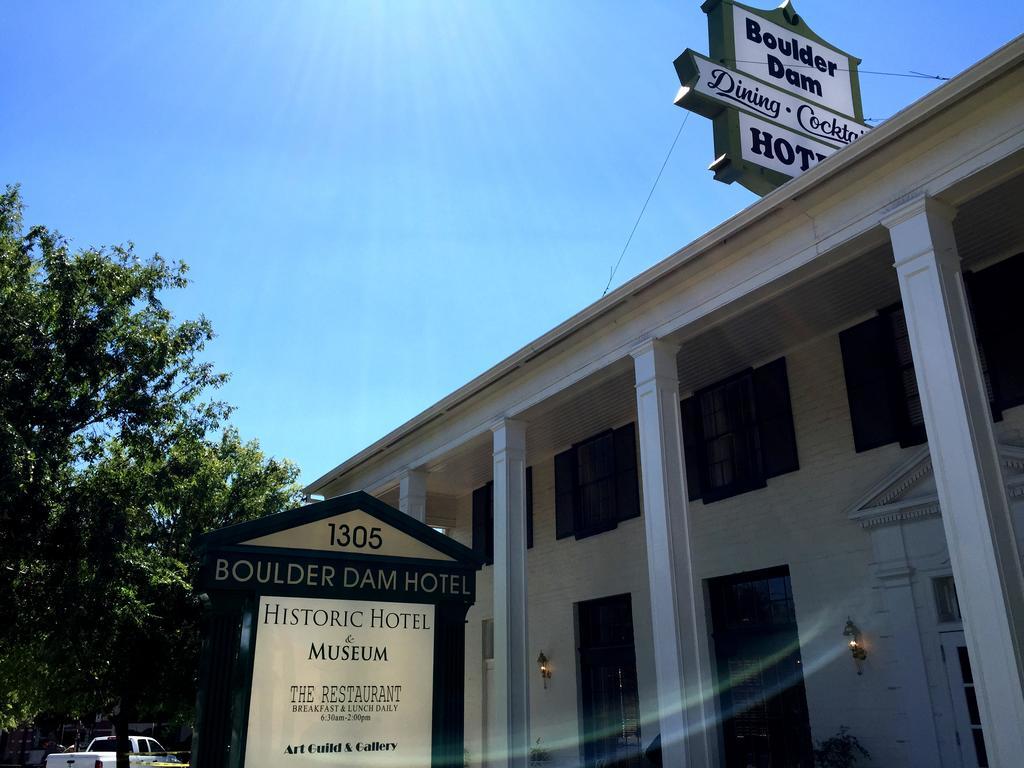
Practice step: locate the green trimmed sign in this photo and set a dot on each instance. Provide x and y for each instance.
(334, 635)
(780, 98)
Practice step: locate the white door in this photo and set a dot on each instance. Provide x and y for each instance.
(965, 702)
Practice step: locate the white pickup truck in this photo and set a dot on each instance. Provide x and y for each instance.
(102, 753)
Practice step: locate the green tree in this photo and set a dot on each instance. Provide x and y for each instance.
(108, 472)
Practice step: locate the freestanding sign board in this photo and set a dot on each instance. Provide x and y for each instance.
(334, 635)
(781, 99)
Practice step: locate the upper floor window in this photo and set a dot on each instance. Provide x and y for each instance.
(483, 518)
(738, 433)
(881, 384)
(597, 484)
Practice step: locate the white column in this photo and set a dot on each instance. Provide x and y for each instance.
(893, 570)
(972, 494)
(412, 494)
(511, 665)
(681, 706)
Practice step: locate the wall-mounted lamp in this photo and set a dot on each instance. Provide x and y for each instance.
(856, 649)
(545, 668)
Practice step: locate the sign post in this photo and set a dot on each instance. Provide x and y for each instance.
(334, 635)
(781, 99)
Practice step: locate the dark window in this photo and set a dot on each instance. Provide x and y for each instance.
(869, 363)
(912, 428)
(947, 606)
(597, 484)
(732, 453)
(881, 385)
(995, 298)
(759, 670)
(610, 721)
(595, 468)
(483, 518)
(738, 432)
(755, 603)
(483, 522)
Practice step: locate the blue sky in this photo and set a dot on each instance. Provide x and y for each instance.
(379, 201)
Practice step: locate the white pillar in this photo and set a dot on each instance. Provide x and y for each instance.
(972, 494)
(893, 570)
(412, 494)
(511, 665)
(685, 741)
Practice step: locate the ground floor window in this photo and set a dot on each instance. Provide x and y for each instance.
(759, 671)
(610, 710)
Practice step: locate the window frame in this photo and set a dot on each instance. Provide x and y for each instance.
(745, 438)
(900, 377)
(582, 522)
(485, 548)
(622, 483)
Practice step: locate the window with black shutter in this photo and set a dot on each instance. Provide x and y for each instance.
(881, 385)
(869, 364)
(911, 415)
(776, 433)
(738, 433)
(693, 446)
(529, 507)
(483, 518)
(732, 449)
(483, 522)
(995, 299)
(597, 484)
(595, 468)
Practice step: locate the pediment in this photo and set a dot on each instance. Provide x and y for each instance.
(355, 524)
(909, 492)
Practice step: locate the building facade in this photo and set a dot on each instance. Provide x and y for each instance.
(770, 489)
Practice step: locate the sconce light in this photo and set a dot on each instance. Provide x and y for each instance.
(856, 649)
(545, 670)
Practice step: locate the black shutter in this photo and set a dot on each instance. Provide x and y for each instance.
(627, 480)
(775, 419)
(565, 493)
(869, 365)
(991, 386)
(995, 292)
(483, 525)
(490, 523)
(529, 507)
(905, 395)
(693, 445)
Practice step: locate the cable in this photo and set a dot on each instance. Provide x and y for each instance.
(913, 74)
(611, 276)
(649, 195)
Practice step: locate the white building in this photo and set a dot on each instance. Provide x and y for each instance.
(722, 462)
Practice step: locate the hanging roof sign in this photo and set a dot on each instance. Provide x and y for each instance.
(781, 99)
